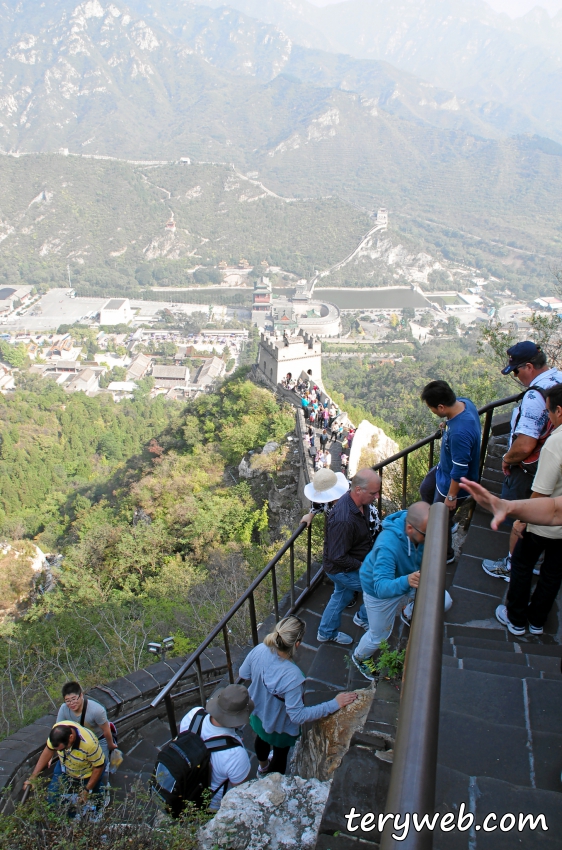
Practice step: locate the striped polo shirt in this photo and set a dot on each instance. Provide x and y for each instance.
(80, 761)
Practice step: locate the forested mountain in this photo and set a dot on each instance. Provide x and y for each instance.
(167, 81)
(156, 535)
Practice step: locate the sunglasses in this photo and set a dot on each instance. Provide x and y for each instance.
(423, 533)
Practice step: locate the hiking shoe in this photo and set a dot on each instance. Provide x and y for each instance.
(497, 569)
(501, 617)
(341, 638)
(535, 630)
(406, 614)
(359, 622)
(353, 602)
(366, 667)
(455, 528)
(450, 560)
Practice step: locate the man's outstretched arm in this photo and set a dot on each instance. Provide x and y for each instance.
(538, 511)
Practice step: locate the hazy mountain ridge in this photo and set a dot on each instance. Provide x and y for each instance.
(458, 45)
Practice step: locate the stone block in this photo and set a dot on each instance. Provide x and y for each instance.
(383, 711)
(470, 692)
(388, 691)
(143, 680)
(545, 705)
(125, 689)
(361, 782)
(329, 665)
(479, 747)
(161, 672)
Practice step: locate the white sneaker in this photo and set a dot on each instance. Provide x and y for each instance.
(535, 630)
(359, 622)
(341, 638)
(407, 613)
(501, 617)
(498, 569)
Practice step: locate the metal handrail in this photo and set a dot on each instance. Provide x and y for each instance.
(414, 769)
(487, 410)
(311, 581)
(222, 626)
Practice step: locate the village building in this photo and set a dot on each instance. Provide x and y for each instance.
(86, 382)
(116, 311)
(170, 377)
(209, 373)
(138, 367)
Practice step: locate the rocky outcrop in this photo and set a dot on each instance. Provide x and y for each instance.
(24, 571)
(273, 813)
(324, 743)
(370, 445)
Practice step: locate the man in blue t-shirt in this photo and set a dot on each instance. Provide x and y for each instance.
(460, 451)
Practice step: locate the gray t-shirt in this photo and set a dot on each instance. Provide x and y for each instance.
(96, 715)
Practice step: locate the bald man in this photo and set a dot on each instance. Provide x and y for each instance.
(389, 577)
(351, 530)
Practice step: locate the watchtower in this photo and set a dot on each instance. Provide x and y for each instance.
(294, 354)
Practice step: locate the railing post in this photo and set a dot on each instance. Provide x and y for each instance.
(404, 481)
(253, 620)
(485, 439)
(379, 501)
(431, 454)
(228, 656)
(200, 681)
(171, 715)
(292, 571)
(414, 770)
(274, 591)
(308, 555)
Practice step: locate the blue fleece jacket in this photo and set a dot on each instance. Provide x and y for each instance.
(384, 572)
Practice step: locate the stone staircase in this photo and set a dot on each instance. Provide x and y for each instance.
(500, 735)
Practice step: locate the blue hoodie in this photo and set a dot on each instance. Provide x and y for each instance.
(384, 572)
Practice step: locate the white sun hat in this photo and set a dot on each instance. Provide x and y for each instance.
(327, 486)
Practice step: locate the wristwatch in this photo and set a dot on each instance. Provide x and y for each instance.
(451, 498)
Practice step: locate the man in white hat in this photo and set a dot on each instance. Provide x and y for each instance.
(352, 527)
(227, 710)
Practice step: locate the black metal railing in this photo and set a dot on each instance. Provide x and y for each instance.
(221, 631)
(247, 599)
(487, 411)
(414, 769)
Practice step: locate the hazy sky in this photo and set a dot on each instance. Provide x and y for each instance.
(511, 7)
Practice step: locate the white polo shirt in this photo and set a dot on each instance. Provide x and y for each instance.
(233, 764)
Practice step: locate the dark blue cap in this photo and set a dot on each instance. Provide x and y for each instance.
(520, 354)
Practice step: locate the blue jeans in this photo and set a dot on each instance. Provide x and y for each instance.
(345, 585)
(61, 783)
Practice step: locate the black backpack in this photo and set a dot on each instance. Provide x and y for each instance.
(182, 772)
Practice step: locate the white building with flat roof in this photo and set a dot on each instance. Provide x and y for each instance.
(116, 311)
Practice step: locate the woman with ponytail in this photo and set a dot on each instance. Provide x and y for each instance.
(276, 689)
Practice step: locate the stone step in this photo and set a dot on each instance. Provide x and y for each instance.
(490, 485)
(492, 473)
(470, 576)
(486, 543)
(502, 669)
(488, 633)
(481, 643)
(480, 746)
(494, 795)
(491, 655)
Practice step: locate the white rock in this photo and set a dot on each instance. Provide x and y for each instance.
(274, 813)
(270, 447)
